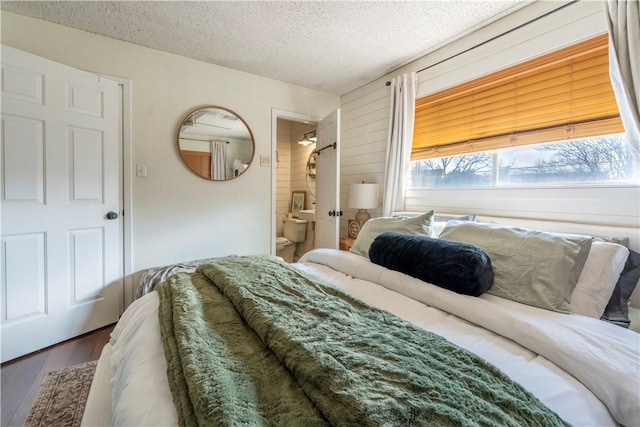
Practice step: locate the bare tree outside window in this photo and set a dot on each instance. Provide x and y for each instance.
(469, 170)
(602, 159)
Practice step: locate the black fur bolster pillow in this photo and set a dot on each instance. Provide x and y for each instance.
(459, 267)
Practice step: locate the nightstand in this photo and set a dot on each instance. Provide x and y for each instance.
(346, 243)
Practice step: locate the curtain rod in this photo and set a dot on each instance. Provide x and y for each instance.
(202, 140)
(496, 37)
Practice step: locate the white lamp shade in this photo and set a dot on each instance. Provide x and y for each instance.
(363, 196)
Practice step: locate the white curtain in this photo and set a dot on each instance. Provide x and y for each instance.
(218, 160)
(623, 24)
(401, 118)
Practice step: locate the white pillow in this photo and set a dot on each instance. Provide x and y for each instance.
(437, 227)
(439, 222)
(598, 278)
(372, 228)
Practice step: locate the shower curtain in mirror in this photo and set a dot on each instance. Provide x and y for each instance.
(218, 161)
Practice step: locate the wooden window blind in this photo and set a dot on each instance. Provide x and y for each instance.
(559, 96)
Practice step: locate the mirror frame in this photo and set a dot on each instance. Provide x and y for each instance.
(215, 107)
(307, 173)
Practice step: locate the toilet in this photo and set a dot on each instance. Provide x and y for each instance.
(295, 230)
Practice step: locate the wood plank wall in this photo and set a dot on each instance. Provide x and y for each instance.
(365, 122)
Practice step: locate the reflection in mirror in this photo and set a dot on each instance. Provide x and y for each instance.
(311, 172)
(215, 143)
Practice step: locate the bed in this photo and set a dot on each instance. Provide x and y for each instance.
(567, 368)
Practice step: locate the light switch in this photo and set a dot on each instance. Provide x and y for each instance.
(141, 170)
(265, 160)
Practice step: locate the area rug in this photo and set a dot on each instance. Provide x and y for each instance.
(62, 397)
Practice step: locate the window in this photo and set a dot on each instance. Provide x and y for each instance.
(465, 170)
(591, 160)
(602, 159)
(548, 120)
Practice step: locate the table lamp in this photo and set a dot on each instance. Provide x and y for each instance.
(363, 196)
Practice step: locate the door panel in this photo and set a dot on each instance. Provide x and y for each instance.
(86, 165)
(85, 262)
(24, 162)
(61, 258)
(24, 273)
(328, 182)
(22, 84)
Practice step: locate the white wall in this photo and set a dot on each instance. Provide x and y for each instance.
(365, 122)
(175, 214)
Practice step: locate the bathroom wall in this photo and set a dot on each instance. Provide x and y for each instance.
(290, 174)
(283, 174)
(299, 156)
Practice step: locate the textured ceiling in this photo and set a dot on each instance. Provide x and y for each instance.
(329, 46)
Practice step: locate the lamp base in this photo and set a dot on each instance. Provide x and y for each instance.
(362, 216)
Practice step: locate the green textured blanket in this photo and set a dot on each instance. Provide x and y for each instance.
(253, 341)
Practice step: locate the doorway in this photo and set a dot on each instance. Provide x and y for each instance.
(293, 175)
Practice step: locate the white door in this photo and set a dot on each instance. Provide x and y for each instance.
(328, 182)
(61, 255)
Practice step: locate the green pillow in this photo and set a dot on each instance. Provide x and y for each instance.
(530, 266)
(372, 228)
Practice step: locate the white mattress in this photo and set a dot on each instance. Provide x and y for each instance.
(591, 380)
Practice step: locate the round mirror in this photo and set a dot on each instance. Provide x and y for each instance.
(311, 172)
(215, 143)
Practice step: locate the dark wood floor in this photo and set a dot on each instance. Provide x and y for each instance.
(22, 377)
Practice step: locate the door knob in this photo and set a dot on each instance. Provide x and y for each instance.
(112, 215)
